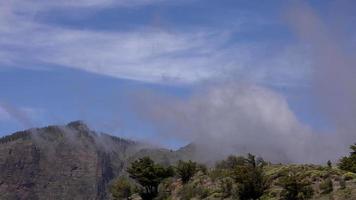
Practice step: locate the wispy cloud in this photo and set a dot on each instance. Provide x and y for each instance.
(25, 116)
(143, 54)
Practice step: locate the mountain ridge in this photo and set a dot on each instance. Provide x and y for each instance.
(68, 162)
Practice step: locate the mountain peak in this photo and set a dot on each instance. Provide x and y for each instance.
(79, 125)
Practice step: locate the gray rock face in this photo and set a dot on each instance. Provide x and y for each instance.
(68, 162)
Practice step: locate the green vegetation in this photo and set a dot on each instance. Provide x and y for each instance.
(149, 175)
(250, 178)
(122, 189)
(329, 164)
(295, 186)
(186, 170)
(348, 163)
(237, 178)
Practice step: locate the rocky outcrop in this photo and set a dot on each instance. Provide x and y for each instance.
(67, 162)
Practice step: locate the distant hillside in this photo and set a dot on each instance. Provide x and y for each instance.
(68, 162)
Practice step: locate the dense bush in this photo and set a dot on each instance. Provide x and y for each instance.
(348, 163)
(329, 164)
(122, 189)
(149, 175)
(186, 170)
(227, 187)
(203, 168)
(250, 178)
(230, 162)
(295, 186)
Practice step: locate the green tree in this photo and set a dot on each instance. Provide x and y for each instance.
(348, 163)
(295, 187)
(250, 178)
(149, 175)
(186, 170)
(329, 164)
(121, 189)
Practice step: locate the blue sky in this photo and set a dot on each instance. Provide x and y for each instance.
(88, 59)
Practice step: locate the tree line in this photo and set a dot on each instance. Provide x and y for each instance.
(245, 178)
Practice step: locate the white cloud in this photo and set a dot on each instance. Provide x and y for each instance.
(234, 118)
(143, 54)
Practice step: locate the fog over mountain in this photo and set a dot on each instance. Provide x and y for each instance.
(128, 71)
(238, 117)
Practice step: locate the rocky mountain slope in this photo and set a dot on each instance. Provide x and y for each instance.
(67, 162)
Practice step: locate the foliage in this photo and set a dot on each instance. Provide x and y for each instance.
(230, 162)
(121, 189)
(348, 163)
(149, 175)
(190, 191)
(295, 187)
(250, 178)
(227, 186)
(203, 168)
(349, 176)
(216, 174)
(186, 170)
(165, 189)
(329, 164)
(326, 186)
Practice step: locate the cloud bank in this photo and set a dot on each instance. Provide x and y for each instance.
(234, 118)
(240, 118)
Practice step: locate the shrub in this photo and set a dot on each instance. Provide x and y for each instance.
(186, 170)
(121, 189)
(348, 163)
(250, 178)
(230, 162)
(295, 187)
(149, 175)
(203, 168)
(165, 189)
(329, 164)
(349, 176)
(227, 185)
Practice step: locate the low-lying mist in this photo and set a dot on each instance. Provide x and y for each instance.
(239, 118)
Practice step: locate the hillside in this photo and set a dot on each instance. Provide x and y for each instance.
(66, 162)
(216, 185)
